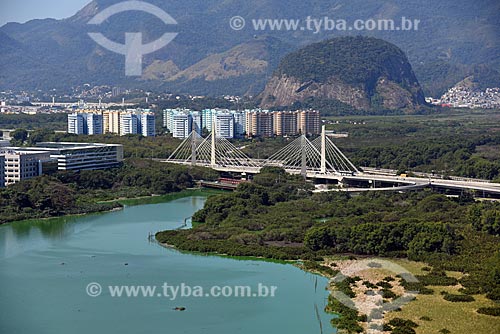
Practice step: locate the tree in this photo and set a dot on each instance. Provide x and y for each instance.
(19, 136)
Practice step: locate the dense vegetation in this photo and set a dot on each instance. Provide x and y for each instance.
(51, 121)
(463, 144)
(72, 192)
(359, 61)
(277, 217)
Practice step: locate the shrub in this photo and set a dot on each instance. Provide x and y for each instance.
(494, 311)
(437, 279)
(384, 285)
(369, 285)
(388, 294)
(458, 298)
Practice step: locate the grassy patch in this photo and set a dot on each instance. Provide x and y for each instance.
(454, 317)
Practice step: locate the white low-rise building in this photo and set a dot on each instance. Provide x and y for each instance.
(21, 164)
(81, 156)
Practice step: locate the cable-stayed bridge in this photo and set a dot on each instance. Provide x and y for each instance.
(301, 156)
(317, 159)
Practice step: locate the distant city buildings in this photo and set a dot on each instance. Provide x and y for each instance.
(237, 124)
(465, 97)
(117, 91)
(23, 163)
(122, 122)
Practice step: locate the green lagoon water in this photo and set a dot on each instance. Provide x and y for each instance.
(46, 266)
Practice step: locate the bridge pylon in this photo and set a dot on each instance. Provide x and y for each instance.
(210, 152)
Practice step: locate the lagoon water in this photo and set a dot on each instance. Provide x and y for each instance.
(45, 267)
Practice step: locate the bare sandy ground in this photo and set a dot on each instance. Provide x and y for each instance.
(367, 299)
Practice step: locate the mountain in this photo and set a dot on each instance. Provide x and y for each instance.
(250, 63)
(363, 72)
(453, 37)
(482, 77)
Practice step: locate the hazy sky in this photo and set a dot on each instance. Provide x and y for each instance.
(25, 10)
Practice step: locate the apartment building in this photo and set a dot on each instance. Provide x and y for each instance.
(259, 124)
(240, 121)
(285, 123)
(231, 123)
(121, 122)
(147, 124)
(208, 118)
(85, 123)
(309, 122)
(224, 124)
(181, 125)
(129, 124)
(111, 121)
(94, 123)
(76, 124)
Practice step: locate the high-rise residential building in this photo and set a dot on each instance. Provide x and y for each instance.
(94, 124)
(129, 124)
(309, 122)
(76, 124)
(2, 170)
(224, 124)
(105, 122)
(21, 164)
(208, 118)
(197, 124)
(147, 124)
(181, 125)
(231, 123)
(240, 122)
(168, 117)
(260, 124)
(251, 125)
(90, 123)
(111, 121)
(285, 123)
